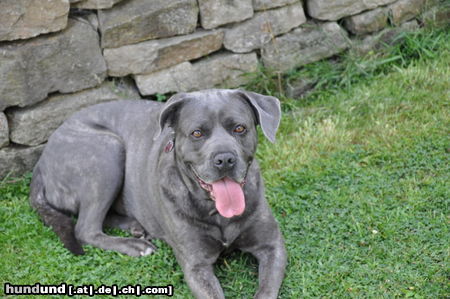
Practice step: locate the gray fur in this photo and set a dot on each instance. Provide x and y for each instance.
(112, 165)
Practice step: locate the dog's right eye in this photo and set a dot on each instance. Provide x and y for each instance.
(197, 134)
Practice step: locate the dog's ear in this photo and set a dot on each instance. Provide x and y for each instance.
(169, 111)
(267, 111)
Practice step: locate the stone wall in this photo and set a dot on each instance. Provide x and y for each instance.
(58, 56)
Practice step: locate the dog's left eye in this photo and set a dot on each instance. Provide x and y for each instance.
(239, 129)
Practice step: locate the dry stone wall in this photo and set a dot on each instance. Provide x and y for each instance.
(58, 56)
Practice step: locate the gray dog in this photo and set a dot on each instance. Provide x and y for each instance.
(183, 172)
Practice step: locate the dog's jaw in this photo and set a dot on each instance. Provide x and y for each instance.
(227, 193)
(208, 186)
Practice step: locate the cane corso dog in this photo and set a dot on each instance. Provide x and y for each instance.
(183, 171)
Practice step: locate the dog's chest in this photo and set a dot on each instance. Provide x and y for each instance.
(224, 232)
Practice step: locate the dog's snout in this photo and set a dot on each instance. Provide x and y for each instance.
(224, 161)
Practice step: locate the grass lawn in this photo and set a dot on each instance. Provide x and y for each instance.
(358, 180)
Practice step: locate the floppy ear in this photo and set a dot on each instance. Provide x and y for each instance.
(267, 110)
(167, 114)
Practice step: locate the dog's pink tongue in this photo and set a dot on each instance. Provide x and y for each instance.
(229, 197)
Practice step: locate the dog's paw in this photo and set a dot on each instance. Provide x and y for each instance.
(147, 251)
(137, 247)
(137, 231)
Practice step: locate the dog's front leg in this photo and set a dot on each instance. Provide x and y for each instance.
(264, 241)
(272, 262)
(197, 265)
(202, 281)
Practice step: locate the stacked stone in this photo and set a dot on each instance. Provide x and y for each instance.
(58, 56)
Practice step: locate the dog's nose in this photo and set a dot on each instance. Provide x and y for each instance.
(224, 161)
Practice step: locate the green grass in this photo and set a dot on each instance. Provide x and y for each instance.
(342, 72)
(358, 180)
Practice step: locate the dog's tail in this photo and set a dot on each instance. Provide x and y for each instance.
(61, 223)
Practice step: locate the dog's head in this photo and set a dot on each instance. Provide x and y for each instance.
(215, 139)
